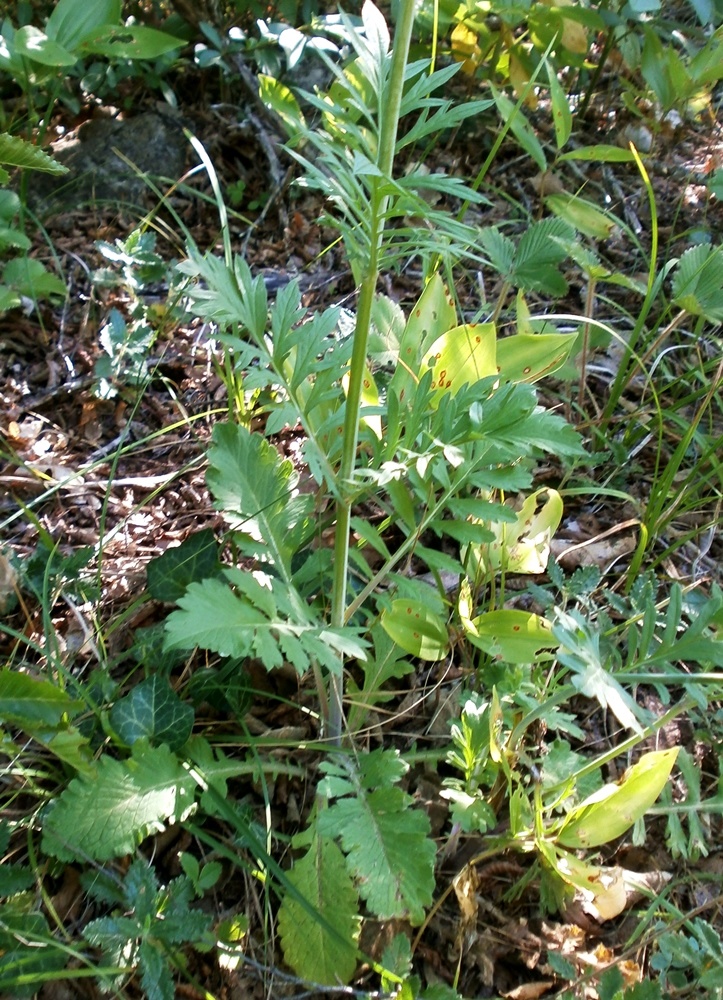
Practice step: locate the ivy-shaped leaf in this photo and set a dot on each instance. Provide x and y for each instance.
(309, 947)
(386, 842)
(154, 711)
(109, 814)
(195, 559)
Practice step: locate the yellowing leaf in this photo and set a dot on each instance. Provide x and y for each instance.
(601, 890)
(519, 78)
(465, 48)
(614, 808)
(369, 397)
(574, 36)
(416, 628)
(510, 635)
(462, 355)
(524, 546)
(433, 314)
(528, 357)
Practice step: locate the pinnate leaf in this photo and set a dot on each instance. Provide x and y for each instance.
(267, 621)
(386, 842)
(310, 948)
(109, 814)
(254, 487)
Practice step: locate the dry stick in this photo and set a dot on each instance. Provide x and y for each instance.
(280, 178)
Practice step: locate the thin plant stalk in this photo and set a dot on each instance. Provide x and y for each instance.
(389, 120)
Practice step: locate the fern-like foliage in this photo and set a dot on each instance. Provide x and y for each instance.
(260, 617)
(320, 945)
(256, 490)
(386, 842)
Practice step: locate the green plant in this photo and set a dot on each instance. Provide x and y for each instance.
(147, 925)
(39, 58)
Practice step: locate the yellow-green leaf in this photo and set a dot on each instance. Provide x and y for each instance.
(512, 636)
(581, 214)
(527, 357)
(614, 808)
(463, 355)
(416, 629)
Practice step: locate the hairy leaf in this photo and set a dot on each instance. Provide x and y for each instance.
(386, 842)
(109, 814)
(255, 488)
(309, 947)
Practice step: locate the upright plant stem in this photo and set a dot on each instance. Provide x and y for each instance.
(389, 105)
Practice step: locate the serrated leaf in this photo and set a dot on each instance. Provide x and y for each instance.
(416, 629)
(17, 152)
(27, 701)
(109, 814)
(309, 947)
(388, 850)
(153, 710)
(194, 560)
(698, 282)
(385, 840)
(255, 487)
(266, 621)
(14, 879)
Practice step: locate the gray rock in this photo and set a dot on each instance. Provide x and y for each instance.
(99, 158)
